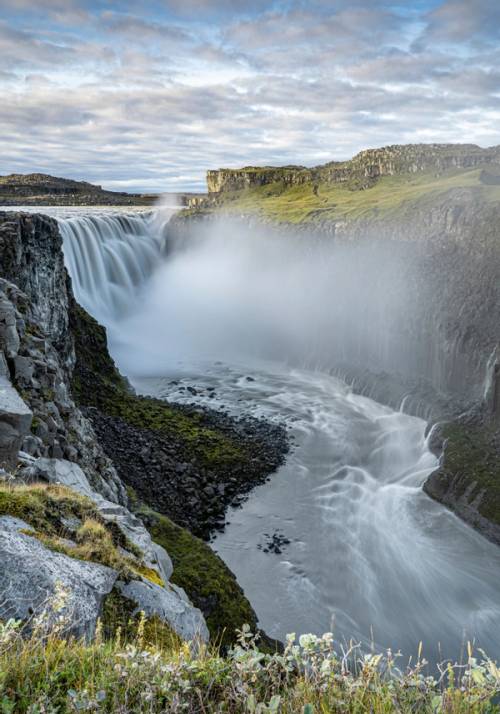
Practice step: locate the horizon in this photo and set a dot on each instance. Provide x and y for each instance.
(145, 98)
(203, 190)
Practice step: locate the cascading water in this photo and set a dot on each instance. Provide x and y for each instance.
(109, 258)
(369, 554)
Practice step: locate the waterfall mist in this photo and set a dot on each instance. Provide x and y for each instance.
(228, 291)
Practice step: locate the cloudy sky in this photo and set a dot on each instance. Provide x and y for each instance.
(147, 95)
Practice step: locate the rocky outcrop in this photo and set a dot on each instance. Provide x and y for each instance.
(468, 477)
(162, 598)
(240, 179)
(42, 587)
(37, 348)
(364, 167)
(170, 604)
(65, 473)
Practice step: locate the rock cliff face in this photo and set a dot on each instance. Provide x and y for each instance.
(46, 439)
(364, 168)
(38, 348)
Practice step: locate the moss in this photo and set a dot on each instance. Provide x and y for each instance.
(96, 382)
(208, 582)
(45, 508)
(118, 616)
(471, 459)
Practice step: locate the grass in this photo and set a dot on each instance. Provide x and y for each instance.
(128, 674)
(48, 509)
(388, 197)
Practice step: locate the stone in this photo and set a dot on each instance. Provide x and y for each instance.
(24, 369)
(187, 621)
(71, 475)
(64, 472)
(32, 577)
(15, 423)
(9, 338)
(31, 445)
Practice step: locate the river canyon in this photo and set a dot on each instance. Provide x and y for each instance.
(244, 319)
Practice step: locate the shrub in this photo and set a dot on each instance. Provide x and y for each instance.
(309, 677)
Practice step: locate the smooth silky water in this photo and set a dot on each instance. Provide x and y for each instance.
(370, 557)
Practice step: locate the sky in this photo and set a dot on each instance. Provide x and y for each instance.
(146, 95)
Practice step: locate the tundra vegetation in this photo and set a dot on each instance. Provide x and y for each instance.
(129, 672)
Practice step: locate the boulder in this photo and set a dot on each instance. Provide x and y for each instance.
(36, 582)
(63, 472)
(71, 475)
(169, 605)
(15, 423)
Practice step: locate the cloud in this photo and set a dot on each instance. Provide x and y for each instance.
(151, 94)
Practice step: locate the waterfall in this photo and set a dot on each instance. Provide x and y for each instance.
(109, 257)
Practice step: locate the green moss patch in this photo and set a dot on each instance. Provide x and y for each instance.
(97, 383)
(471, 459)
(208, 582)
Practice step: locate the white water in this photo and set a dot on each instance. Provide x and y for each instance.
(110, 257)
(370, 555)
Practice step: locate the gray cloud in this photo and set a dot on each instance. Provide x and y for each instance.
(150, 95)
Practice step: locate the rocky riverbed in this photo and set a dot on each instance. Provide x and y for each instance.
(163, 473)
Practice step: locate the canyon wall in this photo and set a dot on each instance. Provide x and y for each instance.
(364, 168)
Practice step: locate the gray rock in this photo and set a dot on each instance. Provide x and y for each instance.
(24, 369)
(15, 422)
(32, 445)
(133, 528)
(166, 602)
(65, 473)
(9, 338)
(71, 475)
(4, 369)
(32, 576)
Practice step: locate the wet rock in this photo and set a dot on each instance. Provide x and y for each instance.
(274, 543)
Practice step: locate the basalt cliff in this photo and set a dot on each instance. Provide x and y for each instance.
(360, 171)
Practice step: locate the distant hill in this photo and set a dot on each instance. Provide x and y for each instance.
(363, 170)
(43, 190)
(372, 185)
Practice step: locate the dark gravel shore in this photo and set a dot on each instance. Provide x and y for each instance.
(166, 476)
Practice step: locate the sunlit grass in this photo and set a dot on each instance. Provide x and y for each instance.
(336, 201)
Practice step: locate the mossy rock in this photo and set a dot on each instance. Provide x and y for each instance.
(45, 508)
(48, 509)
(472, 462)
(208, 582)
